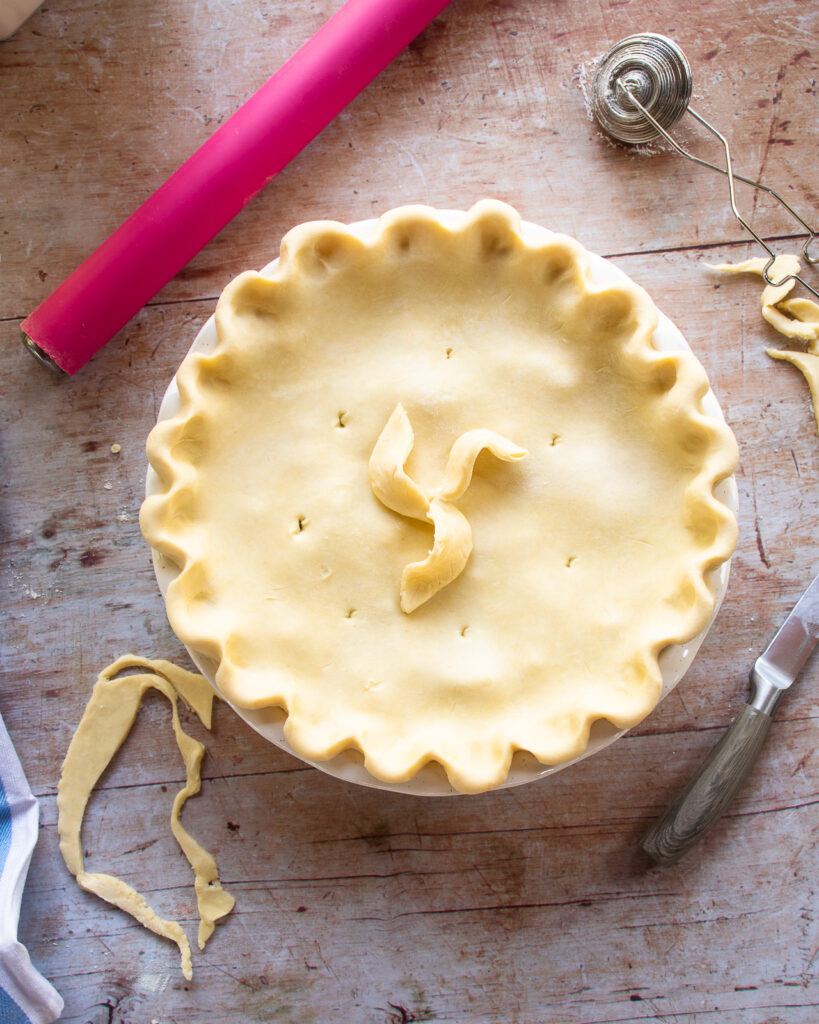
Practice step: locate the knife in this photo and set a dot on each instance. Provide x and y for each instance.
(698, 808)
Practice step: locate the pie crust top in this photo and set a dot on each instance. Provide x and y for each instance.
(552, 576)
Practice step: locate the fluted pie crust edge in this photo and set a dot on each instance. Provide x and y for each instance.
(591, 555)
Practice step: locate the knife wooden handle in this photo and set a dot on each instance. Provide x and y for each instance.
(708, 794)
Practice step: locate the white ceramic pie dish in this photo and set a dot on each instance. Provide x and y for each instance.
(431, 780)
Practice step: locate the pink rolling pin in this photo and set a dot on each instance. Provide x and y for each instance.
(224, 174)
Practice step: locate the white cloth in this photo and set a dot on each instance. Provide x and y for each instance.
(25, 996)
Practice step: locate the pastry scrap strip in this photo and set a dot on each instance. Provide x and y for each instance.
(808, 363)
(452, 539)
(104, 726)
(795, 318)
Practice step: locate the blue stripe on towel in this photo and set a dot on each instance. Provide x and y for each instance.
(5, 827)
(10, 1012)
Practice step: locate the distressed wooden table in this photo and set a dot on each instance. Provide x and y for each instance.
(531, 905)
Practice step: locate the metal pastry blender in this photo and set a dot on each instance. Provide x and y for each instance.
(699, 806)
(641, 89)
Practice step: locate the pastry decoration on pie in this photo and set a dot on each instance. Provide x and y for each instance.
(548, 485)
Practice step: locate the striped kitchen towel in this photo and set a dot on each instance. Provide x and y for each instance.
(25, 996)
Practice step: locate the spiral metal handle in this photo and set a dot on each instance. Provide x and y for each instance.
(651, 69)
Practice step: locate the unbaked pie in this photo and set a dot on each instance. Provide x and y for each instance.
(436, 494)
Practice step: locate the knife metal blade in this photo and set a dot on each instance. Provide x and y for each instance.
(785, 655)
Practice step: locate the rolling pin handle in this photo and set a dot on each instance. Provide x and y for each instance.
(41, 356)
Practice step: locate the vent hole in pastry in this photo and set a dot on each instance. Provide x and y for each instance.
(556, 439)
(448, 353)
(464, 630)
(300, 525)
(341, 419)
(570, 561)
(350, 613)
